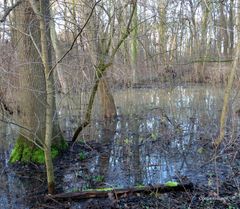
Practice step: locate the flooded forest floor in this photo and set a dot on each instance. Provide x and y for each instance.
(217, 189)
(160, 135)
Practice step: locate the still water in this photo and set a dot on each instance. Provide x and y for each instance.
(159, 135)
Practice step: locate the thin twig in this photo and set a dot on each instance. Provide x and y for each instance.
(75, 39)
(8, 10)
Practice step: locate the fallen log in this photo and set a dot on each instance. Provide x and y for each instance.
(106, 192)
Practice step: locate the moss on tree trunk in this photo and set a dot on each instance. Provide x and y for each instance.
(26, 152)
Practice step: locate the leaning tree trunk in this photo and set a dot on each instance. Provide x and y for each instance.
(32, 98)
(228, 88)
(101, 68)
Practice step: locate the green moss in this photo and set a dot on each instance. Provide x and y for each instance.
(38, 156)
(22, 151)
(26, 152)
(101, 189)
(54, 152)
(105, 189)
(140, 186)
(16, 153)
(171, 184)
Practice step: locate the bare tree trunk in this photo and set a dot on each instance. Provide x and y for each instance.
(107, 100)
(44, 18)
(224, 30)
(32, 99)
(231, 27)
(204, 40)
(230, 82)
(58, 54)
(134, 47)
(162, 32)
(41, 8)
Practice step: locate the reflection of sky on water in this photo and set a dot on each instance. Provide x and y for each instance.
(157, 130)
(153, 139)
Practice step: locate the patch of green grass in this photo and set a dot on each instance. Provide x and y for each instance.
(38, 155)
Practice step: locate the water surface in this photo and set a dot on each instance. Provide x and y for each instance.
(159, 135)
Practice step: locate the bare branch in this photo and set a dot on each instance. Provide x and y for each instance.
(75, 39)
(9, 9)
(100, 69)
(28, 130)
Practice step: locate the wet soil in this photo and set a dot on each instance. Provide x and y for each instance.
(213, 194)
(216, 193)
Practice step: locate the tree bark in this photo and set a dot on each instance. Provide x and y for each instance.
(224, 30)
(134, 46)
(44, 18)
(107, 100)
(228, 88)
(37, 102)
(32, 98)
(58, 54)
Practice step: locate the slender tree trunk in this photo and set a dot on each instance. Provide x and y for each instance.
(231, 27)
(224, 31)
(98, 48)
(230, 81)
(41, 8)
(162, 32)
(44, 18)
(204, 40)
(134, 47)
